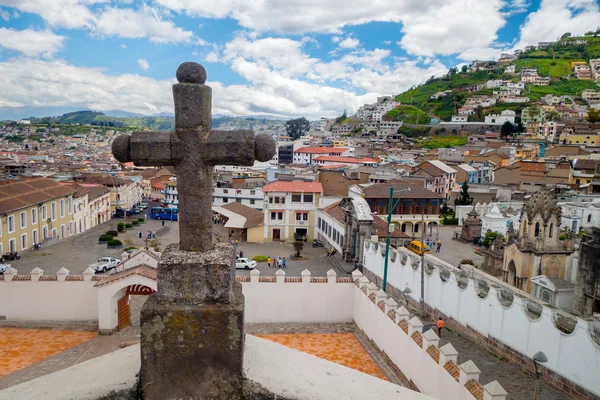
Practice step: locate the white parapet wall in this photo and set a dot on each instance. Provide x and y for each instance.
(38, 297)
(282, 299)
(499, 313)
(433, 370)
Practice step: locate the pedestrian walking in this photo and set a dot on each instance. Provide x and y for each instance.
(163, 222)
(236, 243)
(279, 262)
(269, 261)
(145, 216)
(440, 326)
(439, 246)
(241, 253)
(284, 262)
(140, 235)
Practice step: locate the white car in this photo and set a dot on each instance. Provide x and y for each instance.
(244, 263)
(104, 264)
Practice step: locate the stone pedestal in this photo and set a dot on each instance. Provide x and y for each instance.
(192, 328)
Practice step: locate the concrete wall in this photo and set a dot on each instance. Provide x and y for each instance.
(48, 300)
(280, 300)
(414, 362)
(575, 356)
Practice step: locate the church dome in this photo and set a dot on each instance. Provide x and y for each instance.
(541, 202)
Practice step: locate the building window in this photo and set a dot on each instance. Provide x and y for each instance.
(536, 233)
(589, 218)
(34, 216)
(252, 201)
(225, 199)
(23, 219)
(252, 192)
(24, 241)
(296, 197)
(301, 216)
(62, 208)
(550, 230)
(277, 216)
(35, 234)
(53, 211)
(320, 221)
(545, 295)
(11, 223)
(308, 198)
(70, 205)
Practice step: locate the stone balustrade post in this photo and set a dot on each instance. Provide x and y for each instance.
(305, 276)
(414, 325)
(363, 281)
(430, 338)
(468, 372)
(356, 275)
(372, 288)
(36, 273)
(402, 314)
(390, 305)
(280, 276)
(494, 391)
(254, 276)
(331, 276)
(448, 353)
(9, 274)
(88, 274)
(61, 274)
(380, 296)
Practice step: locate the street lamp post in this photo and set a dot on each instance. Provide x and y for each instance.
(406, 292)
(391, 206)
(422, 304)
(538, 357)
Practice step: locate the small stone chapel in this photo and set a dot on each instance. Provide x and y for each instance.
(536, 249)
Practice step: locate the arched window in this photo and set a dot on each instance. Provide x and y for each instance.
(589, 218)
(550, 231)
(403, 227)
(537, 229)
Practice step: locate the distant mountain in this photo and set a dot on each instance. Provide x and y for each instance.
(25, 112)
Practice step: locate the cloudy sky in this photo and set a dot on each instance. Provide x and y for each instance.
(308, 58)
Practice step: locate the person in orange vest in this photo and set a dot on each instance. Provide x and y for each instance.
(440, 326)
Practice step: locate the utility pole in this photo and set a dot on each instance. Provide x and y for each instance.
(423, 264)
(391, 206)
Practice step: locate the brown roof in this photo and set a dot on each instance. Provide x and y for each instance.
(79, 190)
(293, 186)
(253, 216)
(142, 269)
(380, 229)
(585, 164)
(15, 196)
(97, 191)
(431, 170)
(382, 190)
(335, 211)
(148, 173)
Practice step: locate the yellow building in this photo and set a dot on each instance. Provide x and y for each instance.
(32, 211)
(587, 138)
(290, 210)
(338, 143)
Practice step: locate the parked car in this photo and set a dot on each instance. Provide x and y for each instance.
(143, 206)
(104, 264)
(3, 268)
(244, 263)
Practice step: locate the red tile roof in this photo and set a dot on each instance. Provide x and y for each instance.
(293, 186)
(24, 194)
(321, 150)
(348, 160)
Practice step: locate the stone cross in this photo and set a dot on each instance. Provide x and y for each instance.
(194, 149)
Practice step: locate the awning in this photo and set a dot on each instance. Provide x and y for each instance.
(235, 221)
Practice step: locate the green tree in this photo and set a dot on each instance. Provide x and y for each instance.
(519, 128)
(298, 246)
(566, 35)
(593, 115)
(464, 68)
(297, 127)
(453, 71)
(445, 210)
(489, 238)
(507, 129)
(465, 199)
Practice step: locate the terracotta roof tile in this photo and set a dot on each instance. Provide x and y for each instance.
(372, 297)
(418, 338)
(452, 369)
(434, 352)
(403, 325)
(392, 315)
(475, 388)
(143, 270)
(293, 186)
(321, 150)
(253, 216)
(347, 160)
(382, 191)
(381, 305)
(335, 212)
(24, 194)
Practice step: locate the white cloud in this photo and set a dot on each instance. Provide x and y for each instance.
(146, 22)
(212, 57)
(4, 15)
(65, 13)
(429, 27)
(123, 46)
(349, 43)
(575, 16)
(143, 63)
(30, 42)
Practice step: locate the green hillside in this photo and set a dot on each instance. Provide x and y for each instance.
(98, 119)
(554, 62)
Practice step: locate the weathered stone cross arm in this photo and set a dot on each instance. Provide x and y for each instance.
(193, 148)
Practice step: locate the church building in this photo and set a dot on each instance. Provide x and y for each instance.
(536, 249)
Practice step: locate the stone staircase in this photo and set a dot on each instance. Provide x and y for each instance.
(337, 264)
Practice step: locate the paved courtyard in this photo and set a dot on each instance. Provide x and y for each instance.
(453, 251)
